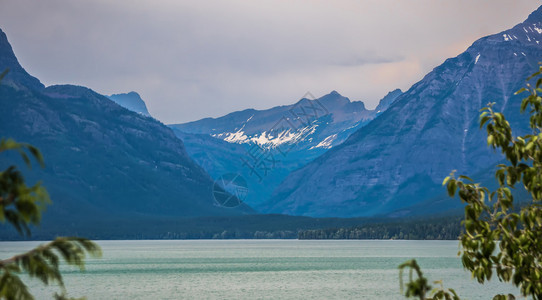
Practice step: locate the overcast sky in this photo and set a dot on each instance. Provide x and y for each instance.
(195, 59)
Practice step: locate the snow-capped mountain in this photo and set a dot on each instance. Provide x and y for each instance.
(287, 137)
(323, 122)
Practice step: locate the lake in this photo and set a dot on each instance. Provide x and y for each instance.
(260, 269)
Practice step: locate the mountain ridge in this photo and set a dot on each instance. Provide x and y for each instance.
(17, 74)
(400, 158)
(102, 161)
(288, 135)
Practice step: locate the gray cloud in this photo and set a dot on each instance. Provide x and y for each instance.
(196, 59)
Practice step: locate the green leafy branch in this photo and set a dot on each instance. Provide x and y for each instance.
(419, 287)
(20, 206)
(498, 238)
(43, 263)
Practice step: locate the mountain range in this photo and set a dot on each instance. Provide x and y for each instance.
(264, 146)
(395, 164)
(102, 161)
(107, 159)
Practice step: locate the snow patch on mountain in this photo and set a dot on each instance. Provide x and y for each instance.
(326, 143)
(269, 139)
(235, 137)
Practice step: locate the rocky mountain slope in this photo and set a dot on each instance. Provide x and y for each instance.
(102, 160)
(400, 159)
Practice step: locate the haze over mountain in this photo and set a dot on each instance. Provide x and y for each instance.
(400, 159)
(131, 101)
(318, 157)
(102, 160)
(264, 146)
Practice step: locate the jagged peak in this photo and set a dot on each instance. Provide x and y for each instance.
(17, 75)
(334, 97)
(388, 100)
(132, 101)
(394, 92)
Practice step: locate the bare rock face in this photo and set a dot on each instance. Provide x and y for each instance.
(399, 159)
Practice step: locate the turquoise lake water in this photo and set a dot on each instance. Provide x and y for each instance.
(259, 269)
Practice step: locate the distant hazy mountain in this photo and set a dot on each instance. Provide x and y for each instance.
(103, 161)
(400, 159)
(131, 101)
(264, 146)
(388, 100)
(260, 126)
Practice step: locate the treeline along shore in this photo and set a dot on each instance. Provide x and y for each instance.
(252, 227)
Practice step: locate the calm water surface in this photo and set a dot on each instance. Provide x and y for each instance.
(259, 269)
